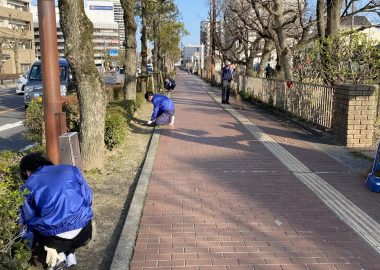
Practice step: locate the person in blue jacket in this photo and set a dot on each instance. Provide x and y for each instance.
(163, 109)
(57, 210)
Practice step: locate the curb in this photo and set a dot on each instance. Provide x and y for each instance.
(125, 248)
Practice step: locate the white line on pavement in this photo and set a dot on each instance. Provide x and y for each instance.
(346, 210)
(9, 126)
(28, 147)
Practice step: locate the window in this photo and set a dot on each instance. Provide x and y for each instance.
(24, 67)
(36, 73)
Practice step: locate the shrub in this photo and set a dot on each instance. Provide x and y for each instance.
(245, 95)
(115, 92)
(115, 128)
(70, 106)
(14, 254)
(34, 117)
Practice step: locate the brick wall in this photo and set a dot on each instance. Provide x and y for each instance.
(353, 115)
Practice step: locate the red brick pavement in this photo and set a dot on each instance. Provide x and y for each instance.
(218, 199)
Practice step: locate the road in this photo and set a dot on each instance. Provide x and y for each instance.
(12, 114)
(11, 117)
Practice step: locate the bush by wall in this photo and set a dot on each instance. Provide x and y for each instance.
(14, 254)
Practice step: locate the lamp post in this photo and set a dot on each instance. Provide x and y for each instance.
(50, 76)
(213, 33)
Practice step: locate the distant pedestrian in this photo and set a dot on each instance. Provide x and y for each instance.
(163, 110)
(227, 82)
(269, 72)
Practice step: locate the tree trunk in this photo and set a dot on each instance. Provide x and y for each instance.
(77, 31)
(130, 60)
(16, 60)
(284, 52)
(321, 18)
(333, 16)
(1, 57)
(155, 51)
(265, 57)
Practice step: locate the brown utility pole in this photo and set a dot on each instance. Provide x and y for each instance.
(213, 33)
(50, 76)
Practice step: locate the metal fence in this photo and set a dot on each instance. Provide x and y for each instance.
(313, 103)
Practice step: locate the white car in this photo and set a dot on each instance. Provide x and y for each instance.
(20, 83)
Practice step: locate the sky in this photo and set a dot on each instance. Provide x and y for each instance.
(193, 12)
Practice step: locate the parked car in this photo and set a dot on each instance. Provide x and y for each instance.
(34, 88)
(149, 68)
(20, 83)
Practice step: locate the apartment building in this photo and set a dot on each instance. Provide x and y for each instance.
(17, 51)
(105, 35)
(118, 14)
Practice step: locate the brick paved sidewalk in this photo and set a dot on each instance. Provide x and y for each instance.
(219, 199)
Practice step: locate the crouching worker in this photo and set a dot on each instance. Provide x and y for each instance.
(169, 84)
(163, 110)
(57, 210)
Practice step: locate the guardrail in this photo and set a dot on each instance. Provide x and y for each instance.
(8, 77)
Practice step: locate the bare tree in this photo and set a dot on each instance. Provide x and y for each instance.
(77, 31)
(130, 61)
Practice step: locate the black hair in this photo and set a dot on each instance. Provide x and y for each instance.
(32, 162)
(148, 94)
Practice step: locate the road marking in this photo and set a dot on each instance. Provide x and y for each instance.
(3, 95)
(9, 126)
(346, 210)
(13, 109)
(28, 147)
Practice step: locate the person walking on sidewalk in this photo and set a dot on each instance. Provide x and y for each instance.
(227, 82)
(163, 109)
(57, 210)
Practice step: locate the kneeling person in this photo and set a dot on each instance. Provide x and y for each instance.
(163, 111)
(57, 210)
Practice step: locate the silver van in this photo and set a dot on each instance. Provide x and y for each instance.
(33, 88)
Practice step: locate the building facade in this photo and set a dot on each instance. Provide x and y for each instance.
(17, 51)
(105, 35)
(193, 56)
(118, 14)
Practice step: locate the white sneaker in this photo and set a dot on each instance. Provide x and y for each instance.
(172, 121)
(71, 260)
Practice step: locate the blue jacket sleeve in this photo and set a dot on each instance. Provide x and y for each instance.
(155, 111)
(26, 213)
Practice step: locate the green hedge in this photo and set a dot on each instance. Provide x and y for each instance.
(14, 254)
(119, 113)
(34, 117)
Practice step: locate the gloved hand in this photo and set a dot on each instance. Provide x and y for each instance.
(149, 122)
(52, 256)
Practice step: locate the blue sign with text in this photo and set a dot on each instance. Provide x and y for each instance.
(113, 52)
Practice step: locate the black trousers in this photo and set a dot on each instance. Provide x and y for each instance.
(65, 245)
